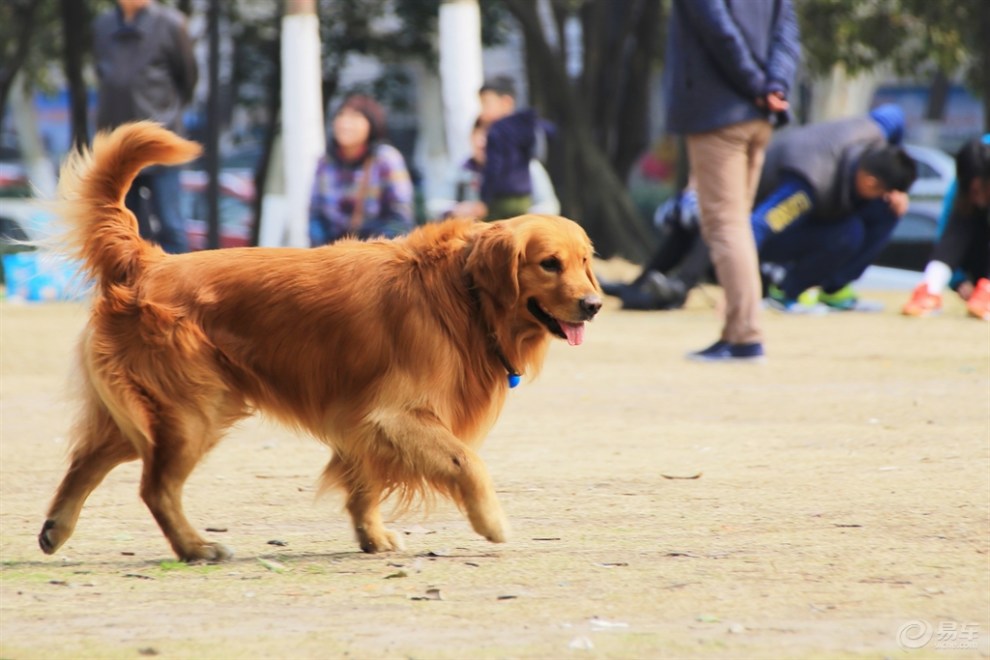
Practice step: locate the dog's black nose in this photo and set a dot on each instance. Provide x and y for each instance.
(590, 305)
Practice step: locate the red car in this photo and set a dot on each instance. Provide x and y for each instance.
(236, 206)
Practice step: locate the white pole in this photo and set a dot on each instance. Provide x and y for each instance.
(460, 72)
(303, 135)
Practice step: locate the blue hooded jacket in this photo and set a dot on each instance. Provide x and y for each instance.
(722, 55)
(511, 145)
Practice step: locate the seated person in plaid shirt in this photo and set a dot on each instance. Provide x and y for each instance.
(362, 187)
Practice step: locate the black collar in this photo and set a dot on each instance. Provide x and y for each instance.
(514, 376)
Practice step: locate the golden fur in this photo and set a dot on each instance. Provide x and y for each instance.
(392, 352)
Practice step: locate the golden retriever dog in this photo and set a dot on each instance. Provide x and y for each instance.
(397, 354)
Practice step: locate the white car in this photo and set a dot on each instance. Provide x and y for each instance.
(936, 171)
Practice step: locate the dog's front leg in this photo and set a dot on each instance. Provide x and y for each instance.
(418, 447)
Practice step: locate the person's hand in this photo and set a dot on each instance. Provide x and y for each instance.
(898, 201)
(965, 289)
(773, 102)
(776, 102)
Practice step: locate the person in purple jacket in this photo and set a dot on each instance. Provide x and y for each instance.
(362, 186)
(728, 70)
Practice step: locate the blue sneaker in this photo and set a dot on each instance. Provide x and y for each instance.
(723, 351)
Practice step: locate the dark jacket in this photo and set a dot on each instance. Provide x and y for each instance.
(724, 54)
(510, 146)
(826, 156)
(146, 69)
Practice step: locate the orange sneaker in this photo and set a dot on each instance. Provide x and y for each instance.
(922, 303)
(978, 304)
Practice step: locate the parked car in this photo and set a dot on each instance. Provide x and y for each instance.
(910, 246)
(236, 207)
(936, 171)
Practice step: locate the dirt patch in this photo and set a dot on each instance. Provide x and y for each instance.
(844, 493)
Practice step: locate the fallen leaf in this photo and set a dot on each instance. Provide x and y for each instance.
(216, 530)
(272, 565)
(397, 574)
(604, 624)
(278, 543)
(674, 476)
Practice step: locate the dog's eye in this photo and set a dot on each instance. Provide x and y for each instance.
(551, 265)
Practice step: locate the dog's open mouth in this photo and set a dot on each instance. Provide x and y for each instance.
(572, 332)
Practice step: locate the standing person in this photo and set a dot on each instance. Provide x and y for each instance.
(146, 70)
(965, 240)
(506, 183)
(470, 173)
(362, 186)
(729, 69)
(829, 198)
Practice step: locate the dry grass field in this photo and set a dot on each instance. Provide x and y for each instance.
(832, 502)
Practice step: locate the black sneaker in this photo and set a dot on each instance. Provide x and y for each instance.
(666, 292)
(723, 351)
(613, 288)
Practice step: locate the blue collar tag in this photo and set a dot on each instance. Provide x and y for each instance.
(513, 380)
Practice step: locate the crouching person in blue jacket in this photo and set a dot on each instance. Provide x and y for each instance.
(830, 196)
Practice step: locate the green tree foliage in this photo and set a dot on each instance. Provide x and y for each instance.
(914, 37)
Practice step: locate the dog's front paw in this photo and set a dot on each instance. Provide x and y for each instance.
(382, 540)
(491, 523)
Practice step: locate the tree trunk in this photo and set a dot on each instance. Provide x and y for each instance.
(591, 188)
(984, 66)
(459, 40)
(273, 109)
(24, 14)
(938, 97)
(303, 136)
(74, 17)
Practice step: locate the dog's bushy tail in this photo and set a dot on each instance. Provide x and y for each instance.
(99, 230)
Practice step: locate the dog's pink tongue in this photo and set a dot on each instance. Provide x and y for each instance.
(574, 332)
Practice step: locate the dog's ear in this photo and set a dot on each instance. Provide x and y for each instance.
(493, 264)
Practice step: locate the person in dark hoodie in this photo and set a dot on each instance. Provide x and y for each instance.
(830, 195)
(362, 186)
(506, 184)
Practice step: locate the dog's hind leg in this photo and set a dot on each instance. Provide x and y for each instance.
(363, 504)
(421, 448)
(171, 461)
(99, 447)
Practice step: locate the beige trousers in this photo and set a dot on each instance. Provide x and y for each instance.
(726, 164)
